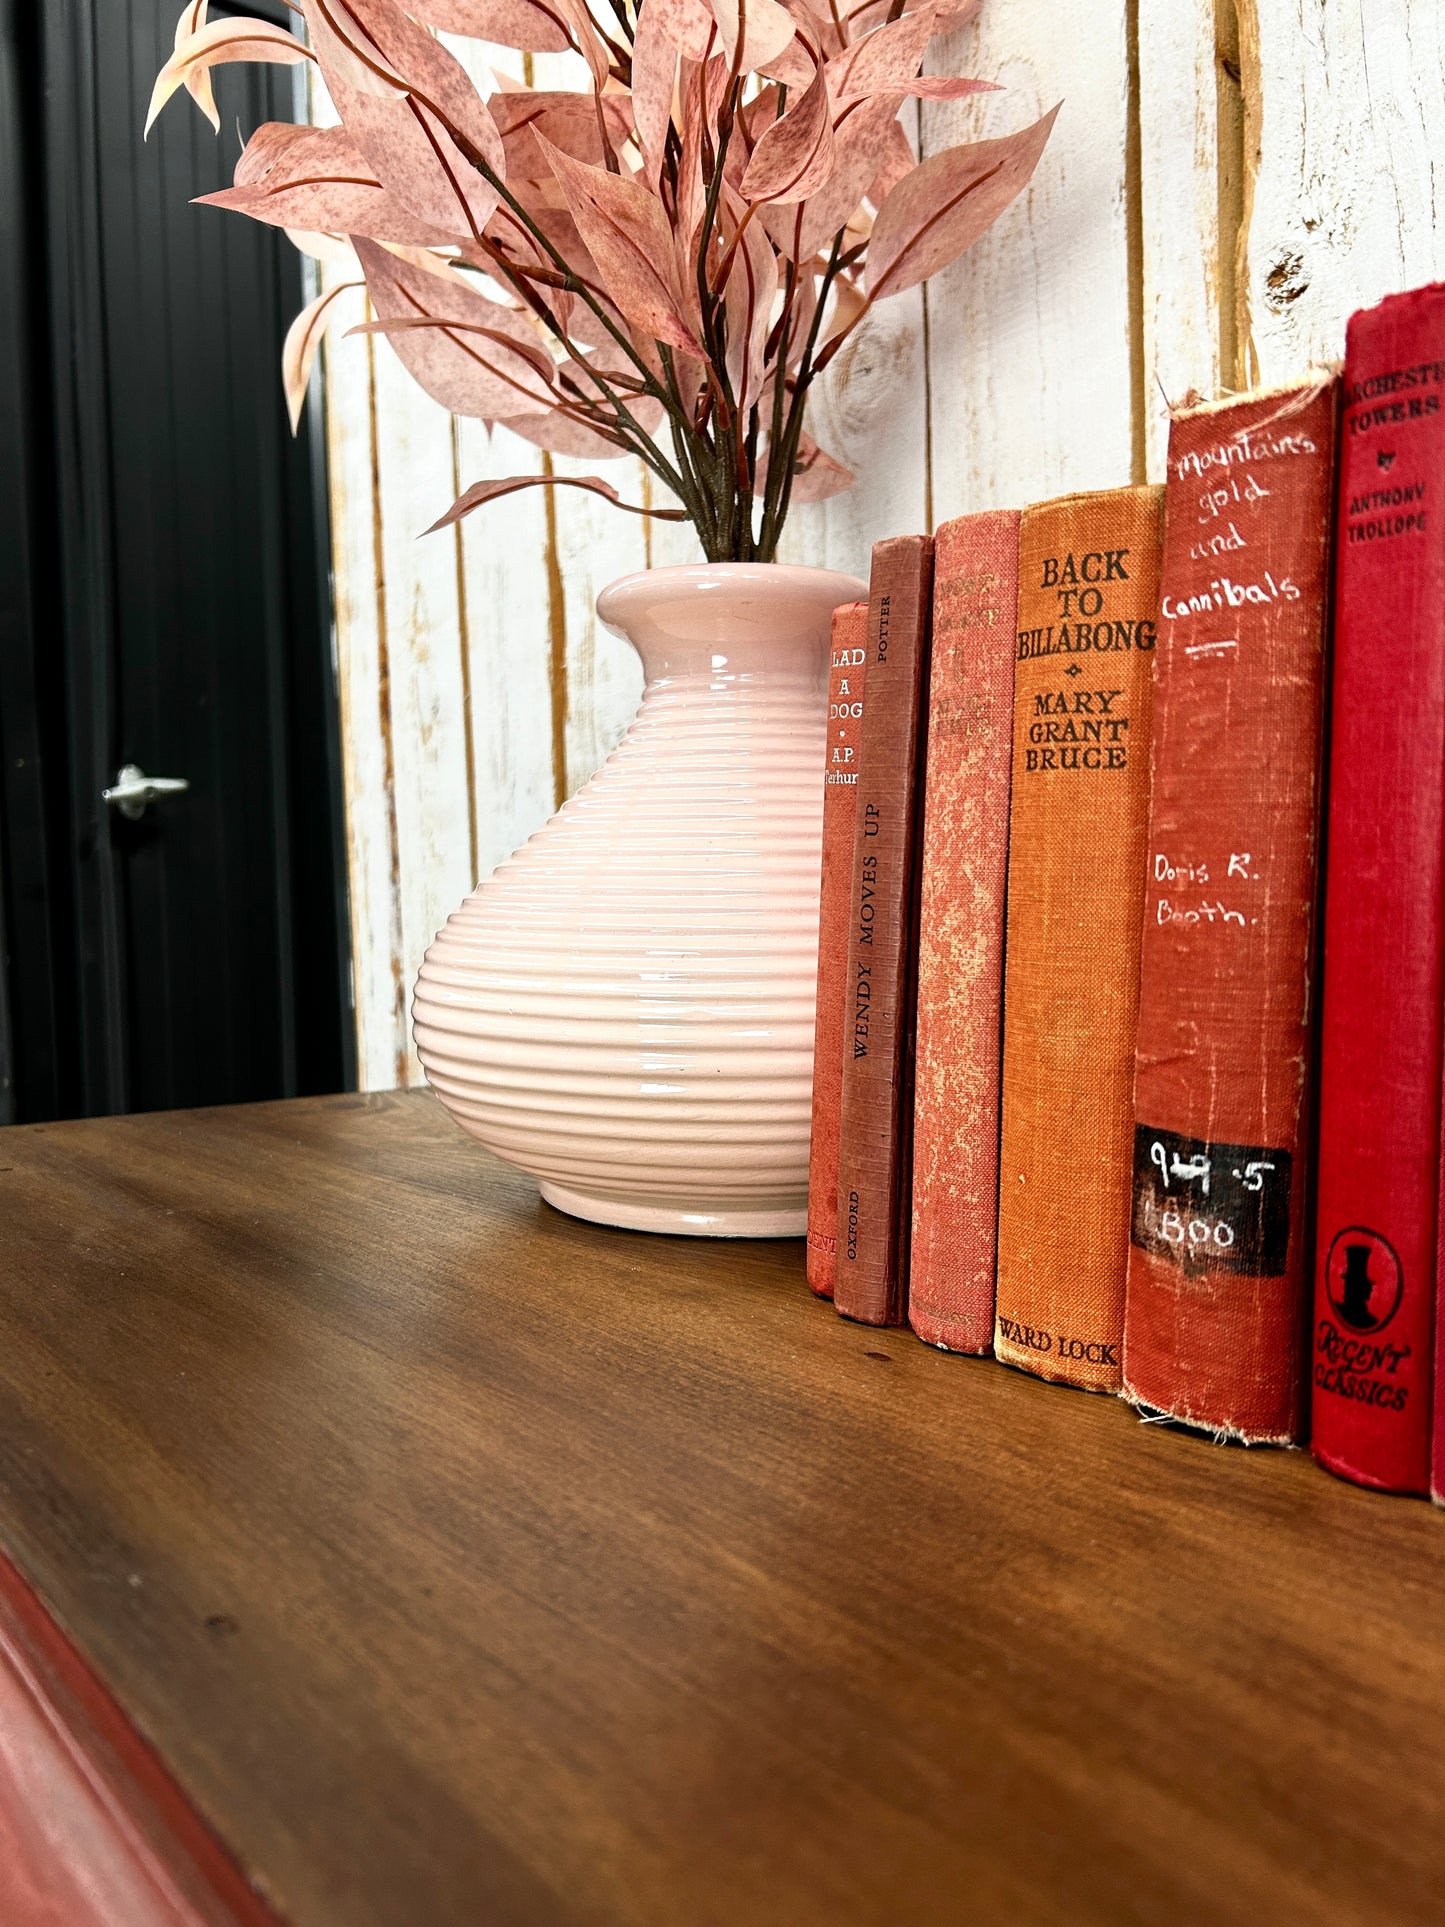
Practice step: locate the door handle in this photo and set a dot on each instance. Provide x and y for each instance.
(132, 790)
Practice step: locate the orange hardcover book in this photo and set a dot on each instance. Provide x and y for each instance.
(847, 665)
(961, 932)
(1088, 609)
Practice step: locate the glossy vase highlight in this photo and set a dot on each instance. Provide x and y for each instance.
(625, 1007)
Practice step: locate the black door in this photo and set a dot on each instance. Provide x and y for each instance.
(163, 597)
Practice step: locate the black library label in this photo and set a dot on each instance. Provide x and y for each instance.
(1209, 1206)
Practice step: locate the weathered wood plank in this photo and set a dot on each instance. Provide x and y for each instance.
(1190, 150)
(427, 712)
(870, 412)
(507, 616)
(373, 854)
(1348, 104)
(1030, 378)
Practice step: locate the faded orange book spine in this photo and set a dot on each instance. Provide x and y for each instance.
(1088, 609)
(848, 664)
(961, 932)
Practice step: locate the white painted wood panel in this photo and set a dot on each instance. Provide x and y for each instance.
(1184, 258)
(1349, 192)
(374, 857)
(1029, 350)
(425, 691)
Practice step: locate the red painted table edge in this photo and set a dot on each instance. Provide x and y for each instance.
(127, 1809)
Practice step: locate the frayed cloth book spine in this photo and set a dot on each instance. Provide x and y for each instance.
(1083, 678)
(964, 868)
(1220, 1231)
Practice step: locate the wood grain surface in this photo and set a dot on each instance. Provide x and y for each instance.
(468, 1563)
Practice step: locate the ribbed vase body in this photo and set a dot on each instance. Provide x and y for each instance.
(625, 1007)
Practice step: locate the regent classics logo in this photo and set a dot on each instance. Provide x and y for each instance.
(1363, 1279)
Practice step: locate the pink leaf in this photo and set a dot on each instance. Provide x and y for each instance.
(748, 295)
(654, 79)
(198, 84)
(883, 61)
(525, 24)
(946, 203)
(586, 39)
(303, 338)
(384, 52)
(849, 305)
(340, 207)
(481, 492)
(794, 66)
(862, 137)
(620, 374)
(214, 46)
(896, 160)
(767, 28)
(691, 193)
(947, 87)
(410, 106)
(284, 154)
(562, 435)
(795, 157)
(532, 353)
(688, 24)
(873, 13)
(468, 369)
(569, 121)
(628, 236)
(816, 475)
(416, 159)
(316, 177)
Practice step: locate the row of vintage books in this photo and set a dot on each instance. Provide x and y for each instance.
(1129, 1021)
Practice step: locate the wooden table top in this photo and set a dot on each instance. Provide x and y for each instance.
(465, 1563)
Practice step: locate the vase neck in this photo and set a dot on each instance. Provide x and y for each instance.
(719, 622)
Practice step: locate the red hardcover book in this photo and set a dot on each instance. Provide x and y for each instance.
(870, 1279)
(964, 867)
(1376, 1263)
(1219, 1234)
(848, 662)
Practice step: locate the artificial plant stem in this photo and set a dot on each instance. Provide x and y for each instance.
(684, 446)
(794, 429)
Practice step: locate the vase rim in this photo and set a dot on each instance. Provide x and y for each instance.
(631, 595)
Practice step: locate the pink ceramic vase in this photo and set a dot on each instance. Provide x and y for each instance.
(625, 1007)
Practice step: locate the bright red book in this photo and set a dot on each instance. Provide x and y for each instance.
(847, 665)
(957, 1067)
(874, 1139)
(1219, 1269)
(1376, 1261)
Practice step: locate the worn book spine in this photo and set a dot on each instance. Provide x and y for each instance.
(1220, 1228)
(848, 662)
(871, 1259)
(1088, 609)
(1378, 1216)
(963, 869)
